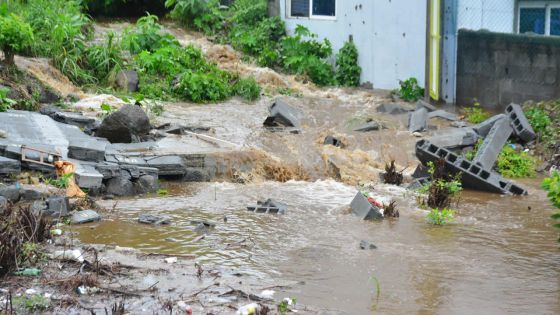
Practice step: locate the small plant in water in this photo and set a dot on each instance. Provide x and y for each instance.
(552, 186)
(443, 189)
(475, 114)
(163, 192)
(440, 217)
(284, 306)
(392, 176)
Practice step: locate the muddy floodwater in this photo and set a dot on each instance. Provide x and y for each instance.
(498, 258)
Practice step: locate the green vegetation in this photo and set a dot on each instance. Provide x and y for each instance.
(104, 61)
(440, 217)
(539, 119)
(471, 154)
(16, 36)
(410, 91)
(347, 70)
(247, 28)
(552, 186)
(61, 182)
(248, 88)
(284, 306)
(514, 164)
(33, 303)
(5, 102)
(475, 114)
(147, 36)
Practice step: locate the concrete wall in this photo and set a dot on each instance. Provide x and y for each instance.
(492, 15)
(390, 36)
(498, 68)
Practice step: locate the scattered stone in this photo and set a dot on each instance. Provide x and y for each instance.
(154, 219)
(206, 224)
(369, 126)
(367, 245)
(394, 108)
(459, 124)
(68, 255)
(39, 207)
(129, 123)
(455, 138)
(74, 119)
(128, 80)
(58, 206)
(417, 134)
(120, 186)
(85, 216)
(423, 104)
(146, 184)
(30, 194)
(364, 209)
(418, 120)
(12, 193)
(88, 177)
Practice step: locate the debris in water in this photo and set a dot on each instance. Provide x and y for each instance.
(367, 245)
(390, 210)
(366, 208)
(391, 175)
(269, 206)
(154, 219)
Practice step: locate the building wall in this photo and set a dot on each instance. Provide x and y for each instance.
(390, 37)
(498, 68)
(491, 15)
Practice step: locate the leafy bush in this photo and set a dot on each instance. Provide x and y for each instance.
(105, 60)
(471, 154)
(15, 36)
(515, 164)
(307, 56)
(440, 217)
(443, 188)
(211, 21)
(169, 61)
(539, 119)
(347, 70)
(5, 102)
(259, 40)
(147, 36)
(552, 186)
(410, 91)
(204, 87)
(475, 114)
(249, 12)
(248, 89)
(186, 10)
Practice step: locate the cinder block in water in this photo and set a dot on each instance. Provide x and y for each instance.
(473, 176)
(493, 144)
(363, 209)
(521, 126)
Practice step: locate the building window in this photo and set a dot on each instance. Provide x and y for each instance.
(322, 9)
(539, 17)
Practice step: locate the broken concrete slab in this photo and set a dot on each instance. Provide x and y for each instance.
(130, 123)
(75, 119)
(443, 114)
(473, 176)
(423, 104)
(87, 149)
(369, 126)
(283, 115)
(362, 208)
(459, 124)
(87, 176)
(521, 126)
(57, 206)
(367, 245)
(170, 165)
(455, 138)
(493, 144)
(484, 127)
(9, 166)
(421, 171)
(418, 120)
(154, 219)
(395, 108)
(85, 216)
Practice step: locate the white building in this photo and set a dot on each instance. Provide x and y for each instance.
(390, 35)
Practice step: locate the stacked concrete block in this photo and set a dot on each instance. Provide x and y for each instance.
(473, 175)
(521, 126)
(269, 206)
(488, 152)
(484, 127)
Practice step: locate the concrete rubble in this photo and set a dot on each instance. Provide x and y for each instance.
(283, 115)
(85, 216)
(418, 120)
(269, 206)
(364, 209)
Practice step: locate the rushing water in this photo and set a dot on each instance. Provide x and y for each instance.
(499, 257)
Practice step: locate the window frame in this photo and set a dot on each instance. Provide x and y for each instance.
(311, 15)
(546, 5)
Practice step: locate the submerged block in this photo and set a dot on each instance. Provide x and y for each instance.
(521, 126)
(283, 115)
(488, 152)
(269, 206)
(362, 208)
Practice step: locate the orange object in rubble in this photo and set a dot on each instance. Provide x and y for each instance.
(65, 168)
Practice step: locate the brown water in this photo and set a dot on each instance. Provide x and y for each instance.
(498, 258)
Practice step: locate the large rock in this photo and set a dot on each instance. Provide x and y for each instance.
(9, 166)
(58, 206)
(125, 125)
(128, 80)
(12, 193)
(85, 216)
(146, 184)
(120, 186)
(154, 219)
